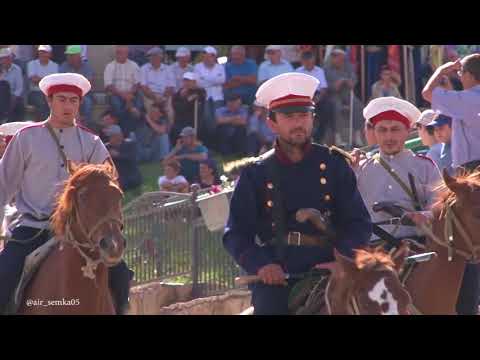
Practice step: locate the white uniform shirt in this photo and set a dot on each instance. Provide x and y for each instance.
(32, 169)
(376, 185)
(211, 79)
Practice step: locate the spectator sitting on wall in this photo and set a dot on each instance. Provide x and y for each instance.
(109, 118)
(124, 155)
(427, 136)
(241, 75)
(232, 122)
(442, 129)
(122, 82)
(260, 137)
(387, 85)
(152, 136)
(184, 105)
(273, 65)
(211, 77)
(36, 70)
(75, 64)
(189, 152)
(156, 81)
(208, 174)
(172, 180)
(11, 88)
(180, 67)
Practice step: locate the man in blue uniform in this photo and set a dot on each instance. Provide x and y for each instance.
(265, 234)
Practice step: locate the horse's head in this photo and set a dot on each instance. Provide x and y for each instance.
(371, 283)
(90, 211)
(459, 205)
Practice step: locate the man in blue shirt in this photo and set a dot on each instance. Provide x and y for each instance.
(274, 65)
(241, 75)
(260, 136)
(11, 80)
(232, 126)
(75, 64)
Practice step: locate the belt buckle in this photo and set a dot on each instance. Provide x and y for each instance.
(298, 241)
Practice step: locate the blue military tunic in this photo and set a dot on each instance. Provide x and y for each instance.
(323, 180)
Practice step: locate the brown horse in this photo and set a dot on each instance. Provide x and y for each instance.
(87, 223)
(434, 285)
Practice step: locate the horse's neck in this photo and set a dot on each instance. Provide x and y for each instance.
(434, 285)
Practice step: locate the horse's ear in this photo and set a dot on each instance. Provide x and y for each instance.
(345, 265)
(112, 170)
(399, 255)
(450, 181)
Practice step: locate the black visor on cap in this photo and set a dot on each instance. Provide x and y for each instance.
(293, 109)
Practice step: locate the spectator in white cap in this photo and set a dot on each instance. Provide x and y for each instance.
(241, 75)
(210, 76)
(341, 81)
(75, 64)
(273, 65)
(427, 136)
(181, 66)
(36, 71)
(156, 81)
(11, 88)
(184, 105)
(33, 170)
(122, 83)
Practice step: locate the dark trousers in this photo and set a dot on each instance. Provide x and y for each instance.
(12, 259)
(468, 298)
(273, 300)
(232, 139)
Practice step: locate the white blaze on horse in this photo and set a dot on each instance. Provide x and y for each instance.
(87, 222)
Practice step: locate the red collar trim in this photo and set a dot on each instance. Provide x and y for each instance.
(283, 157)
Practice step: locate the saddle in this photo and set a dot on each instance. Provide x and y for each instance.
(32, 264)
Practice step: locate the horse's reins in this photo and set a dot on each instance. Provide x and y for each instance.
(90, 264)
(452, 221)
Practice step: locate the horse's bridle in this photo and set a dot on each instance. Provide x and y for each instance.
(91, 265)
(351, 302)
(453, 222)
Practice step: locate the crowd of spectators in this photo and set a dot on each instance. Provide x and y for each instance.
(177, 113)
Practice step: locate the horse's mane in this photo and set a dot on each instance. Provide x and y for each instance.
(447, 196)
(65, 199)
(373, 259)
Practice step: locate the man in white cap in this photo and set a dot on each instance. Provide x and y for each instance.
(36, 71)
(33, 170)
(184, 105)
(11, 88)
(181, 66)
(265, 234)
(273, 65)
(210, 76)
(75, 64)
(385, 176)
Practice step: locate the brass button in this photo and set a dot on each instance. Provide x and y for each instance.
(269, 203)
(270, 185)
(323, 181)
(327, 197)
(323, 166)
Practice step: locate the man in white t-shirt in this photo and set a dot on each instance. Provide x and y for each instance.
(211, 77)
(122, 83)
(324, 108)
(36, 71)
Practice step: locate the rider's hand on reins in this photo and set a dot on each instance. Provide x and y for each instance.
(272, 274)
